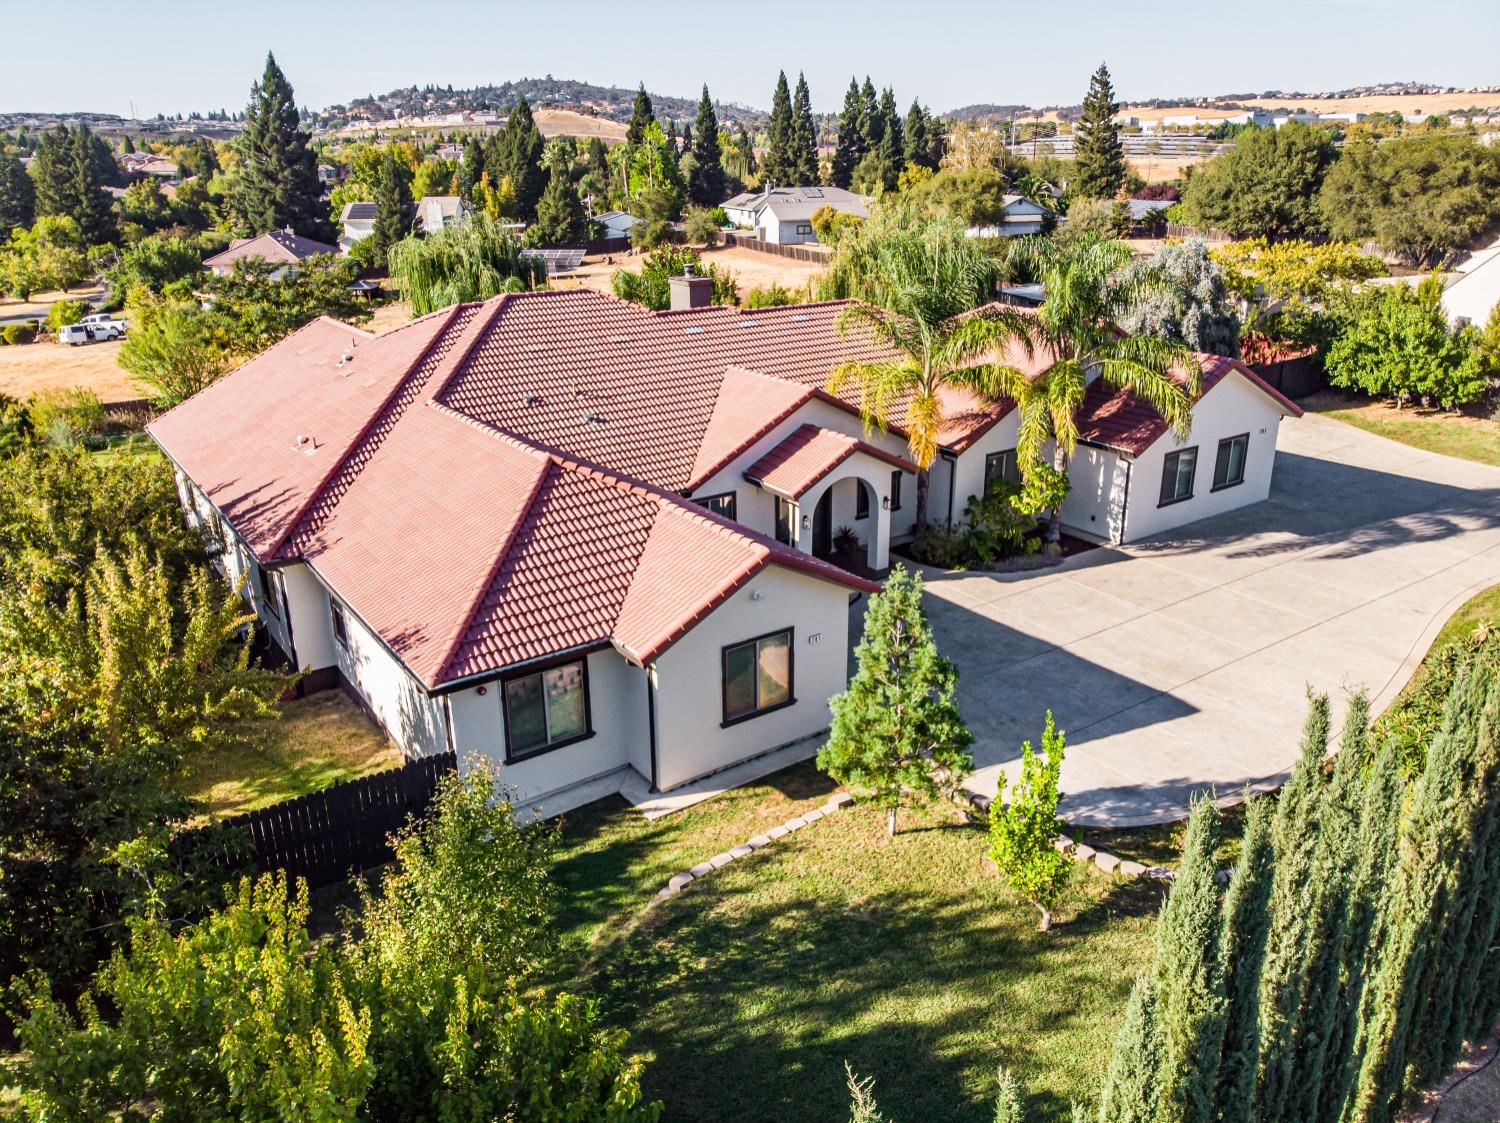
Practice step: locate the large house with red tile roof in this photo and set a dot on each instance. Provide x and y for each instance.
(591, 542)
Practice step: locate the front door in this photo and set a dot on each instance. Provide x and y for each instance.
(822, 527)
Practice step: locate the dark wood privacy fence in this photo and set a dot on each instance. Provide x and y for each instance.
(816, 254)
(325, 836)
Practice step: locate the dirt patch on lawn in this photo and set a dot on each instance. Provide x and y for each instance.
(751, 270)
(34, 367)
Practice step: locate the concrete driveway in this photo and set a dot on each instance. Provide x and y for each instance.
(1181, 664)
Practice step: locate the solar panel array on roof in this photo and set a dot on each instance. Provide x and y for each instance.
(562, 259)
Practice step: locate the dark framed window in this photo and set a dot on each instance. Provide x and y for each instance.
(896, 490)
(861, 499)
(804, 228)
(340, 632)
(546, 709)
(720, 504)
(268, 591)
(783, 520)
(1177, 476)
(1229, 464)
(758, 676)
(1001, 466)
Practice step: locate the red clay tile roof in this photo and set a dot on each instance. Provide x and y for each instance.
(464, 548)
(808, 454)
(1119, 420)
(280, 247)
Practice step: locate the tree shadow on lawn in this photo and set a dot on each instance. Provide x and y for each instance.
(751, 1001)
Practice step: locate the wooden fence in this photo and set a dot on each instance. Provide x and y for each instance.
(325, 836)
(817, 255)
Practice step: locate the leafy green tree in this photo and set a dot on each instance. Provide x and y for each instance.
(1073, 333)
(700, 225)
(706, 184)
(471, 260)
(1130, 1085)
(1193, 308)
(803, 142)
(1189, 976)
(1399, 344)
(277, 183)
(559, 215)
(171, 348)
(896, 734)
(155, 262)
(1242, 951)
(650, 285)
(911, 276)
(50, 255)
(641, 115)
(1422, 197)
(253, 307)
(849, 148)
(17, 195)
(1024, 828)
(1099, 157)
(1266, 186)
(394, 218)
(778, 166)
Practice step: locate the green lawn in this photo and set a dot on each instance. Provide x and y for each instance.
(1453, 434)
(318, 741)
(901, 956)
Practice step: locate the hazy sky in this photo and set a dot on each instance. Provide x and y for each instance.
(177, 56)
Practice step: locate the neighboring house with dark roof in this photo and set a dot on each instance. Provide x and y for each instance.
(784, 214)
(281, 248)
(358, 221)
(616, 224)
(591, 542)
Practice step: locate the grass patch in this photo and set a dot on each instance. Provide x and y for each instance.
(1465, 436)
(902, 956)
(1161, 845)
(319, 741)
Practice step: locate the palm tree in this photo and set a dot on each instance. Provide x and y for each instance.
(911, 277)
(1074, 333)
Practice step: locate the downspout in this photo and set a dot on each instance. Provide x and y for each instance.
(1125, 504)
(952, 483)
(651, 724)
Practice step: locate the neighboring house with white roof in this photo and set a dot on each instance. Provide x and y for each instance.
(437, 211)
(784, 214)
(281, 248)
(1474, 294)
(488, 528)
(358, 220)
(1019, 216)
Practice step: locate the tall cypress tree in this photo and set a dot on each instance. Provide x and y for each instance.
(1293, 893)
(641, 115)
(278, 181)
(918, 146)
(892, 147)
(521, 146)
(776, 168)
(1188, 978)
(1099, 158)
(1242, 952)
(851, 140)
(706, 186)
(746, 144)
(804, 148)
(393, 206)
(92, 208)
(470, 169)
(1130, 1086)
(17, 195)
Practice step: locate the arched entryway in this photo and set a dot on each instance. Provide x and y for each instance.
(848, 506)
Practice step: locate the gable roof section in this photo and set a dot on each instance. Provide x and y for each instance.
(748, 406)
(1119, 420)
(808, 454)
(358, 212)
(280, 247)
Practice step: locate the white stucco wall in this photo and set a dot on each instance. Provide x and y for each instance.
(312, 627)
(414, 720)
(617, 715)
(691, 740)
(1095, 505)
(1474, 295)
(969, 471)
(1234, 406)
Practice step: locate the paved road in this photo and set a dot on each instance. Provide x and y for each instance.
(1180, 664)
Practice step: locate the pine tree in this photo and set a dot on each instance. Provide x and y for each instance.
(1242, 951)
(804, 146)
(871, 118)
(470, 169)
(918, 145)
(92, 208)
(559, 215)
(17, 195)
(1188, 979)
(851, 140)
(896, 732)
(776, 169)
(1099, 158)
(278, 181)
(746, 145)
(394, 215)
(521, 146)
(641, 115)
(706, 185)
(892, 146)
(1130, 1086)
(54, 173)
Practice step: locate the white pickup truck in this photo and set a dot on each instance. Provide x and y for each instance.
(92, 329)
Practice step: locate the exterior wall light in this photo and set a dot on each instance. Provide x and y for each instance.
(885, 503)
(806, 522)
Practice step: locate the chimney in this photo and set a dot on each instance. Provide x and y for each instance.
(690, 291)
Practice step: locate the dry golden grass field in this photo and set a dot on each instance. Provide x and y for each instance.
(1386, 103)
(36, 367)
